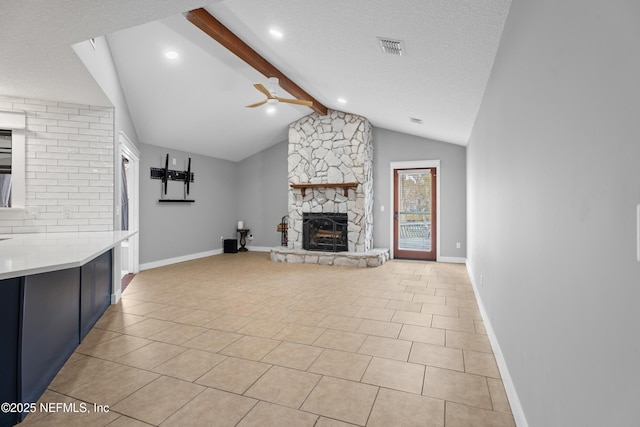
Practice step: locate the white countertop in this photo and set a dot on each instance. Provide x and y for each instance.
(25, 254)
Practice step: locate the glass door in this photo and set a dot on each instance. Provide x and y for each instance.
(414, 219)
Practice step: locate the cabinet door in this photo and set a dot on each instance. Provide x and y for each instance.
(95, 291)
(49, 327)
(10, 321)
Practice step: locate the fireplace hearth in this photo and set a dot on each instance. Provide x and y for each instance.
(325, 232)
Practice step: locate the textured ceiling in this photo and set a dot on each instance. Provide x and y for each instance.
(195, 103)
(329, 49)
(36, 37)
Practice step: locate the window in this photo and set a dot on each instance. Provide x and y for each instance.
(5, 168)
(12, 159)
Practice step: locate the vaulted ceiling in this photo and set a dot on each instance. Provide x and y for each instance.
(196, 102)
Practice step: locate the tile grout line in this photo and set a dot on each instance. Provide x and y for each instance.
(122, 332)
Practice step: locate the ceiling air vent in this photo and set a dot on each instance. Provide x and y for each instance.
(392, 47)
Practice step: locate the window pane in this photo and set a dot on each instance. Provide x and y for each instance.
(414, 214)
(5, 168)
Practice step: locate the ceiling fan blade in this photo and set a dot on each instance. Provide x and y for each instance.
(263, 89)
(257, 104)
(296, 101)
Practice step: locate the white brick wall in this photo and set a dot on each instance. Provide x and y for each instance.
(69, 168)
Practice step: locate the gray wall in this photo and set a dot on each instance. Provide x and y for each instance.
(255, 191)
(553, 183)
(390, 146)
(169, 230)
(262, 195)
(263, 184)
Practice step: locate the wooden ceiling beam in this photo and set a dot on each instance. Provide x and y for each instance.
(216, 30)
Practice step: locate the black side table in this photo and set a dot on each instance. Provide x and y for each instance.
(243, 238)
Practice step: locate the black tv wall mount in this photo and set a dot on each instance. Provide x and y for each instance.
(165, 174)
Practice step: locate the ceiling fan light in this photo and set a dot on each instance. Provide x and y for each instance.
(271, 109)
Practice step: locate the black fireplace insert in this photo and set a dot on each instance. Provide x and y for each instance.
(325, 232)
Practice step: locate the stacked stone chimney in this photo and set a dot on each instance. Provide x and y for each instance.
(331, 149)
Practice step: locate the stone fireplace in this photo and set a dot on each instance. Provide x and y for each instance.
(332, 149)
(330, 167)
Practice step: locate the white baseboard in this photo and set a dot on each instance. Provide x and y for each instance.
(453, 259)
(116, 297)
(169, 261)
(512, 394)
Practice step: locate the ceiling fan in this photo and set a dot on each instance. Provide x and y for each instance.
(272, 95)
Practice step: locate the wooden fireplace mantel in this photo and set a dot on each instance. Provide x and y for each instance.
(344, 185)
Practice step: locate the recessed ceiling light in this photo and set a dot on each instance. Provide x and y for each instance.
(171, 54)
(276, 34)
(342, 101)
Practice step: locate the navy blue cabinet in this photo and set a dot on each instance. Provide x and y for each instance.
(49, 327)
(10, 294)
(44, 317)
(95, 291)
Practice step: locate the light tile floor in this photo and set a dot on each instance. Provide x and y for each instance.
(236, 339)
